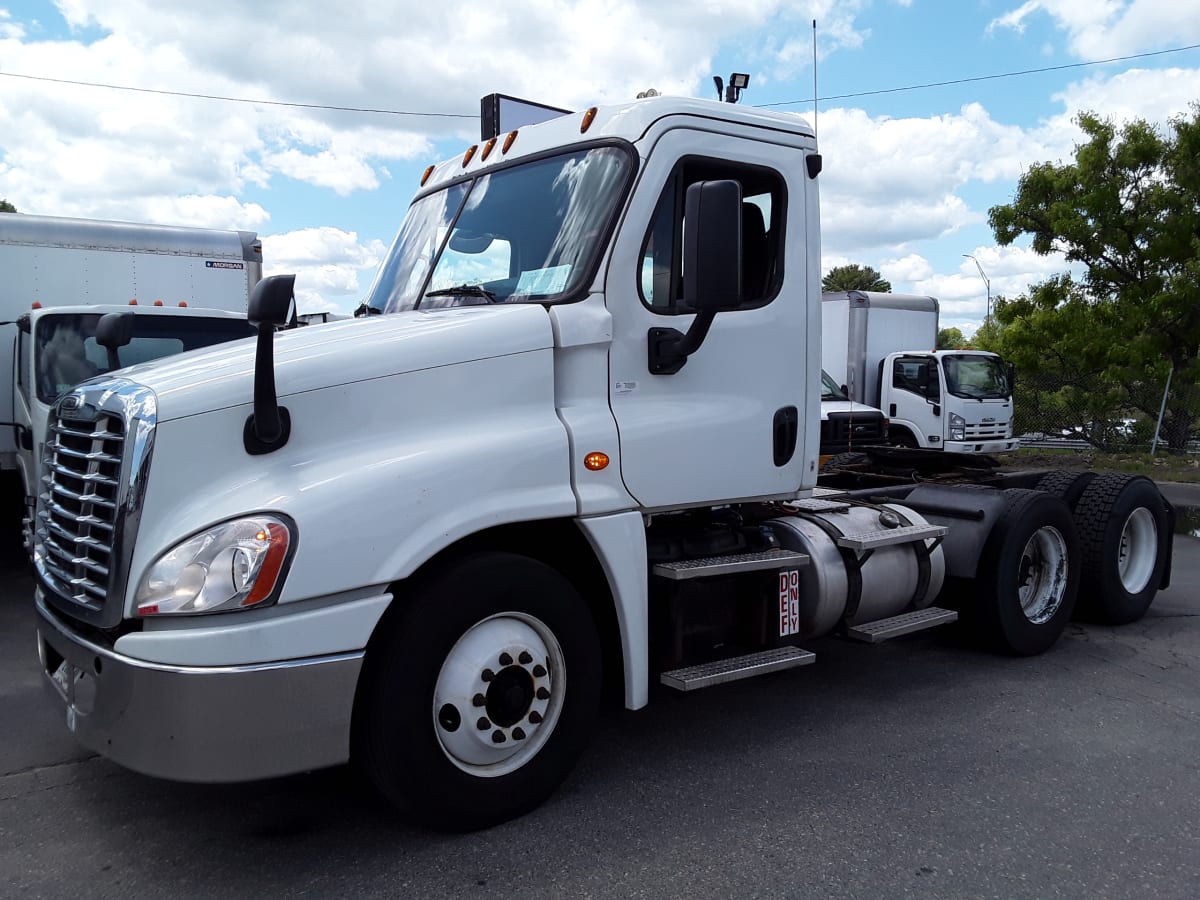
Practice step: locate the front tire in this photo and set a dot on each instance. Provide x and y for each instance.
(479, 692)
(1028, 575)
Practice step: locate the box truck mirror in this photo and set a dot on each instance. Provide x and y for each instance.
(114, 331)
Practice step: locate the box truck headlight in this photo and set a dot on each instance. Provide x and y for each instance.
(958, 427)
(235, 565)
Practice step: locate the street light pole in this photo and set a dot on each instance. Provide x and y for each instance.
(986, 283)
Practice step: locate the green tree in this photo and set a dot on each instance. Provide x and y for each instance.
(1128, 209)
(950, 339)
(5, 206)
(854, 278)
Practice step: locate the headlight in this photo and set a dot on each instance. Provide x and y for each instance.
(231, 566)
(958, 427)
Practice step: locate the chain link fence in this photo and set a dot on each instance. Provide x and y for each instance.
(1053, 411)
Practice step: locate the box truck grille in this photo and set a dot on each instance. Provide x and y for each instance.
(78, 515)
(988, 432)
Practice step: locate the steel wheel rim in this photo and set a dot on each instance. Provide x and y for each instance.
(499, 694)
(1042, 579)
(1138, 550)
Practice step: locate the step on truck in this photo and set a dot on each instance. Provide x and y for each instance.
(170, 288)
(576, 449)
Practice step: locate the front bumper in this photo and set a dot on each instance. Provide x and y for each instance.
(984, 446)
(200, 723)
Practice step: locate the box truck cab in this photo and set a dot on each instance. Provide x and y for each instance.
(884, 347)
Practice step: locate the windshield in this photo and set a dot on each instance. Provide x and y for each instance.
(829, 388)
(976, 377)
(529, 233)
(67, 352)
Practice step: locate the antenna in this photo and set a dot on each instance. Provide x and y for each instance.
(814, 78)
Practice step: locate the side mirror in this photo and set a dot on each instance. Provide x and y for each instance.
(712, 270)
(712, 245)
(269, 426)
(114, 331)
(1012, 378)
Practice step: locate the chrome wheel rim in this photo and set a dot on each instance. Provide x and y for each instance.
(499, 694)
(1042, 579)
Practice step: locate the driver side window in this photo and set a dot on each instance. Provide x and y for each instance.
(660, 278)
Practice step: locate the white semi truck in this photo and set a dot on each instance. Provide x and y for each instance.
(577, 447)
(180, 288)
(885, 347)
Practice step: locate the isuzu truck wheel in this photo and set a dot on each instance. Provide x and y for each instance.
(479, 694)
(1028, 574)
(1124, 535)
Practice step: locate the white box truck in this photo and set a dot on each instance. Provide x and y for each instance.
(188, 288)
(426, 540)
(884, 346)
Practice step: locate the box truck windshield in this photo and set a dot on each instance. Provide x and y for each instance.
(976, 377)
(67, 351)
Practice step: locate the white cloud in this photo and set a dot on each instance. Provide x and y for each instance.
(332, 266)
(1102, 29)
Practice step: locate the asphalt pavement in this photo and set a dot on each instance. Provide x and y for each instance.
(919, 767)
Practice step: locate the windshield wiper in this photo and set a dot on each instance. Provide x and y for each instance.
(464, 290)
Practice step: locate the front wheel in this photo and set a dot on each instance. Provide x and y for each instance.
(1028, 574)
(479, 692)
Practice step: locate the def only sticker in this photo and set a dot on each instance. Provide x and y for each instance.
(789, 602)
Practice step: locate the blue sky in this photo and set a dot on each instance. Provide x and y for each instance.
(909, 175)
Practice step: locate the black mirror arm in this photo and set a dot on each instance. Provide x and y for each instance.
(668, 349)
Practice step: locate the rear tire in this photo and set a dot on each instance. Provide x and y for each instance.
(479, 692)
(1123, 535)
(1066, 485)
(1028, 574)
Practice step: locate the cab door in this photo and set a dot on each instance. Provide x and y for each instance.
(733, 422)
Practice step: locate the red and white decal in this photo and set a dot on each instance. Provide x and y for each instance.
(789, 602)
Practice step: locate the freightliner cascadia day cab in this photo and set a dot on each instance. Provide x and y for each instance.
(189, 288)
(577, 447)
(884, 346)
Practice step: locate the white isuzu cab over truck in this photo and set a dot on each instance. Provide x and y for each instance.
(884, 346)
(576, 447)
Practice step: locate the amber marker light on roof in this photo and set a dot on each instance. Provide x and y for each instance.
(487, 149)
(595, 461)
(588, 117)
(425, 177)
(508, 142)
(467, 157)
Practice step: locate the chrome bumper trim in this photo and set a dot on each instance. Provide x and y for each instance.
(204, 724)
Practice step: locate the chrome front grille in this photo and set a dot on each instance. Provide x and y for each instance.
(78, 515)
(93, 471)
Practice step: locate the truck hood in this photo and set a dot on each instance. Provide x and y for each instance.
(337, 353)
(847, 406)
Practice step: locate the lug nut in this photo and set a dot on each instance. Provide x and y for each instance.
(543, 694)
(487, 675)
(518, 734)
(505, 659)
(498, 737)
(479, 700)
(539, 671)
(524, 659)
(535, 717)
(483, 724)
